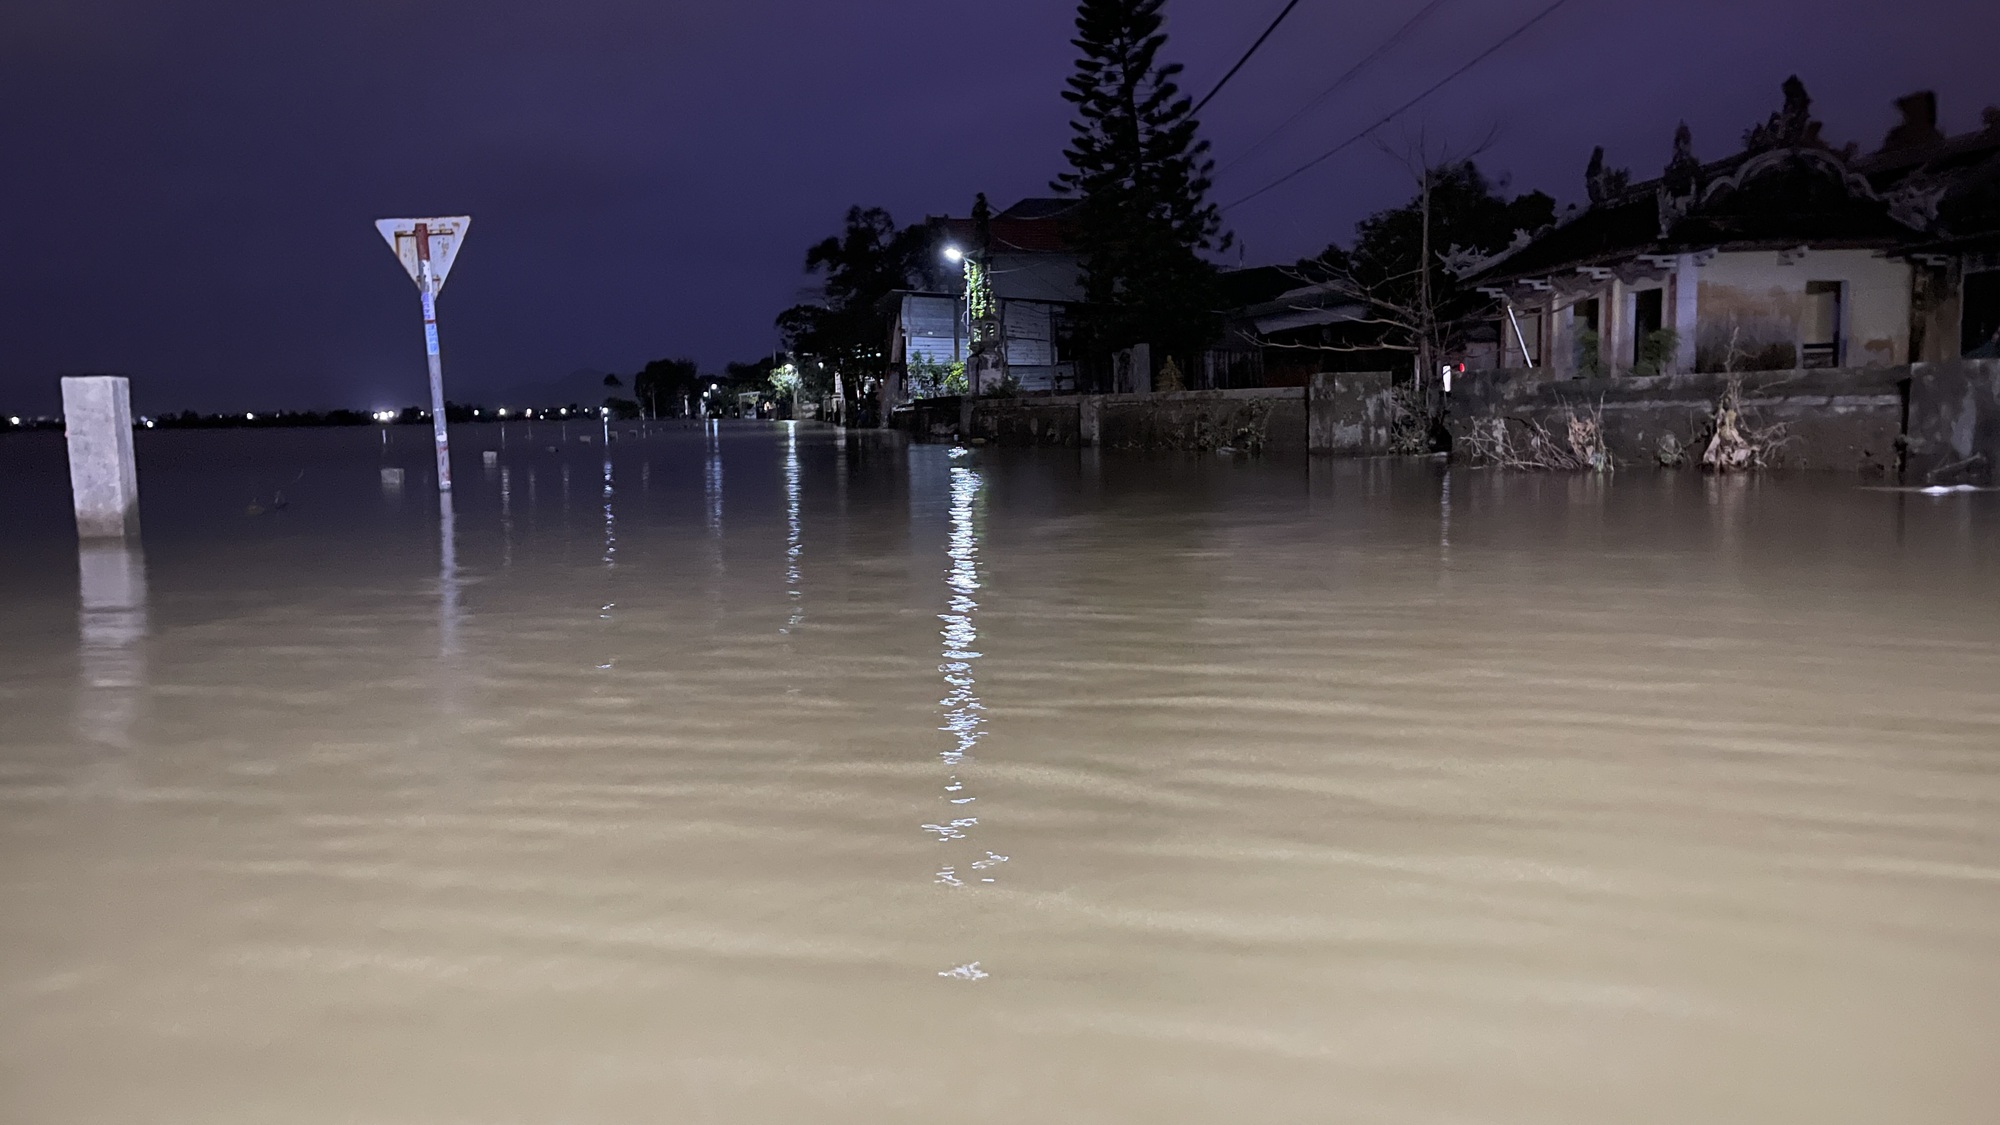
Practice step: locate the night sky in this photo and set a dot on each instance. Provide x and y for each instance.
(189, 188)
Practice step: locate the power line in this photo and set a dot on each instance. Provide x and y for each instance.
(1246, 56)
(1346, 76)
(1405, 107)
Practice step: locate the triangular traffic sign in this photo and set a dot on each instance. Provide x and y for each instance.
(445, 234)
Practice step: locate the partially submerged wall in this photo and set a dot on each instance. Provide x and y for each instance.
(1250, 420)
(1348, 414)
(1940, 422)
(1838, 418)
(1027, 421)
(1954, 427)
(1351, 413)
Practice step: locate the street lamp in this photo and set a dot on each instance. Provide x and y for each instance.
(954, 255)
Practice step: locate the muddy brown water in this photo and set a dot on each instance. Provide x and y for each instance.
(768, 775)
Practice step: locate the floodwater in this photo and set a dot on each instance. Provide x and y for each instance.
(761, 775)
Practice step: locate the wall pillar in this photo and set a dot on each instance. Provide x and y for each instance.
(890, 393)
(1089, 413)
(1686, 311)
(1614, 344)
(103, 473)
(1561, 348)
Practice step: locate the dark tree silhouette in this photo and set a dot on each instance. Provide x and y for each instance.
(1141, 177)
(863, 264)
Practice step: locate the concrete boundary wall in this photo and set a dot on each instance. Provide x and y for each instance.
(1932, 423)
(1336, 414)
(1953, 433)
(1351, 413)
(1837, 419)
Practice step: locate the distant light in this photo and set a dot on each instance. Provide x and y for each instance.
(14, 420)
(503, 412)
(606, 410)
(953, 253)
(565, 411)
(249, 417)
(528, 413)
(149, 423)
(475, 412)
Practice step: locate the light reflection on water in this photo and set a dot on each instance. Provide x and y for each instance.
(712, 475)
(794, 530)
(964, 717)
(610, 556)
(448, 577)
(1354, 791)
(112, 626)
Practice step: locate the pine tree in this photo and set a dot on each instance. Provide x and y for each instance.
(1141, 178)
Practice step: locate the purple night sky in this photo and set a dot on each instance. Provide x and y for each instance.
(190, 188)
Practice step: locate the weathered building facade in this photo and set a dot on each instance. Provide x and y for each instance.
(1788, 254)
(1005, 318)
(1954, 183)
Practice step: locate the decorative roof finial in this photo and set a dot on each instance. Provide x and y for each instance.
(1681, 182)
(1790, 127)
(1603, 183)
(1918, 129)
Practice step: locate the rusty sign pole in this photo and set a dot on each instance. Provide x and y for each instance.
(427, 248)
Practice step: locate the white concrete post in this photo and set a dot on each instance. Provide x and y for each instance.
(103, 474)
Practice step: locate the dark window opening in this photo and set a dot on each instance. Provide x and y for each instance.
(1648, 316)
(1979, 318)
(1066, 366)
(1819, 327)
(1586, 327)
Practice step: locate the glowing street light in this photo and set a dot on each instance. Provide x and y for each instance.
(954, 254)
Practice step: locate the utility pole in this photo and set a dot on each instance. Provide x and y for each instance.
(427, 248)
(1426, 356)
